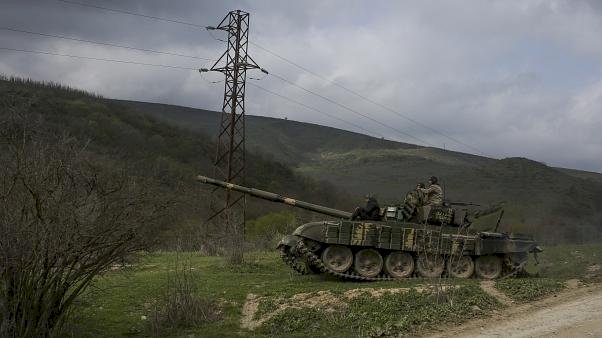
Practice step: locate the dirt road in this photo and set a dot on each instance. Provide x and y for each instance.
(576, 312)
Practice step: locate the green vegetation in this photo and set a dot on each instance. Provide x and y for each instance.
(310, 162)
(166, 158)
(526, 289)
(556, 205)
(123, 302)
(328, 306)
(556, 264)
(277, 222)
(390, 314)
(569, 261)
(134, 140)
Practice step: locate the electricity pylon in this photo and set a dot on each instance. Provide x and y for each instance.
(228, 207)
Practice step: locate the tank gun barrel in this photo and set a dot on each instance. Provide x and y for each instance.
(270, 196)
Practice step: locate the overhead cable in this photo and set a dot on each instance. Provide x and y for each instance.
(104, 43)
(183, 68)
(352, 110)
(315, 109)
(131, 13)
(96, 58)
(363, 97)
(296, 65)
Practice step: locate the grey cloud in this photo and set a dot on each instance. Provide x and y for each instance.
(511, 78)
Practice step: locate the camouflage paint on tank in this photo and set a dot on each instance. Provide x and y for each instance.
(433, 233)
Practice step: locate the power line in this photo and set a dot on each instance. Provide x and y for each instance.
(363, 97)
(298, 66)
(185, 68)
(283, 79)
(103, 43)
(315, 109)
(352, 110)
(131, 13)
(96, 58)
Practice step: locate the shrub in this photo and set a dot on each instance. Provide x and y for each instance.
(63, 222)
(181, 306)
(264, 231)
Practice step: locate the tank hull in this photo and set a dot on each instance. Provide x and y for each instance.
(369, 245)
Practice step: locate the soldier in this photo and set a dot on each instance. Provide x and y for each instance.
(412, 200)
(433, 195)
(370, 212)
(419, 193)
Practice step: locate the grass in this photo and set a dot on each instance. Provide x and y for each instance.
(120, 300)
(567, 261)
(116, 305)
(391, 314)
(528, 289)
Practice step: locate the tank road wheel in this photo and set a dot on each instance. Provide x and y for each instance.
(337, 258)
(488, 267)
(430, 265)
(368, 262)
(399, 264)
(460, 267)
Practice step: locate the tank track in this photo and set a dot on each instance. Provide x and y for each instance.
(515, 270)
(315, 261)
(291, 260)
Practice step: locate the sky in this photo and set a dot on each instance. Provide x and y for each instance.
(496, 78)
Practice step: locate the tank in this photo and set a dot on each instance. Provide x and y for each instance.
(431, 242)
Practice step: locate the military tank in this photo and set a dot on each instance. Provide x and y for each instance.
(434, 242)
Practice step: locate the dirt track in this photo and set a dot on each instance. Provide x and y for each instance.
(576, 312)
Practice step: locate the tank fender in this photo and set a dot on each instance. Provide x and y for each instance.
(313, 230)
(288, 240)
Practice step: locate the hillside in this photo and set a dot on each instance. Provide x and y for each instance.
(123, 139)
(538, 198)
(286, 141)
(310, 162)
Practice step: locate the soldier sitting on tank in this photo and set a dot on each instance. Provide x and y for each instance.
(370, 212)
(433, 195)
(412, 200)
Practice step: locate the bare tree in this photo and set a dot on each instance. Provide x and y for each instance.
(64, 220)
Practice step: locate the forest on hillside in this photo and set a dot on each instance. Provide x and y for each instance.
(163, 159)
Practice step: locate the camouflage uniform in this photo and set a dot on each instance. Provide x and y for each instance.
(433, 195)
(370, 212)
(411, 202)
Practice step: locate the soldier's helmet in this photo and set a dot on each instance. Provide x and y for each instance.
(433, 180)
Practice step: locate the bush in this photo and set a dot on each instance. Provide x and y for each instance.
(263, 232)
(181, 306)
(64, 221)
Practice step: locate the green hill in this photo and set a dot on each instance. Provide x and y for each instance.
(554, 203)
(121, 138)
(312, 162)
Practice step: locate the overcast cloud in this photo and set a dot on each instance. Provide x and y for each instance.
(511, 78)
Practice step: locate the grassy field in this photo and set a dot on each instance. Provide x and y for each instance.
(569, 261)
(281, 303)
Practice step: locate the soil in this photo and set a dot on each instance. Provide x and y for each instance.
(489, 287)
(324, 300)
(575, 312)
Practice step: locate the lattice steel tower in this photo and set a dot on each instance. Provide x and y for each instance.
(228, 207)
